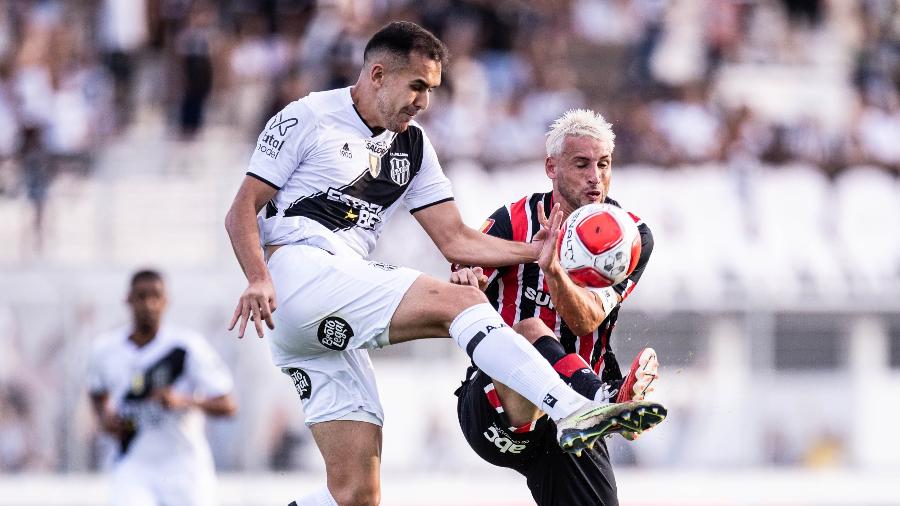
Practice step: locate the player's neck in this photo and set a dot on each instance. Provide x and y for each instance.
(365, 110)
(140, 336)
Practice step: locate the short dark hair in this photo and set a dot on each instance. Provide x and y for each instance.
(145, 275)
(403, 38)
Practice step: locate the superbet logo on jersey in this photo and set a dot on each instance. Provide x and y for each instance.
(361, 213)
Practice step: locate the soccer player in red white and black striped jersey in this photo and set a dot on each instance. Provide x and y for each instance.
(570, 325)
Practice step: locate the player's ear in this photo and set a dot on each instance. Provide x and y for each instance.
(376, 74)
(550, 167)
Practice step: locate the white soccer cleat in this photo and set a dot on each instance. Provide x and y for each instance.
(639, 381)
(583, 428)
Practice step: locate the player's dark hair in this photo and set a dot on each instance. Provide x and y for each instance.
(402, 38)
(145, 275)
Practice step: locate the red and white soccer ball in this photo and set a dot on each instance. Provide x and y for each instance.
(599, 245)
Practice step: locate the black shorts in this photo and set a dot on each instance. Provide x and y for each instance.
(554, 477)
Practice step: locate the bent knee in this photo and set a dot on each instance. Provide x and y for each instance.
(357, 494)
(532, 329)
(470, 296)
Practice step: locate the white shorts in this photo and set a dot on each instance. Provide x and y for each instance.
(330, 310)
(152, 484)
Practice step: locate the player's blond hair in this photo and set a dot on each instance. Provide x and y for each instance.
(579, 123)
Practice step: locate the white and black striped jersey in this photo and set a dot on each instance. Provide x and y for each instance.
(519, 291)
(129, 374)
(337, 182)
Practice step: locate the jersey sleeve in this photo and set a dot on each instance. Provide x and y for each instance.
(430, 186)
(208, 374)
(96, 377)
(284, 143)
(625, 287)
(498, 224)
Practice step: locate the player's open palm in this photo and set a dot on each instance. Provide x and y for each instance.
(545, 240)
(257, 304)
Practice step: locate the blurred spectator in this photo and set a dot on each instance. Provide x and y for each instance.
(195, 47)
(123, 32)
(17, 430)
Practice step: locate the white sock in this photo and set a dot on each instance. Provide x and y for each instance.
(321, 497)
(510, 359)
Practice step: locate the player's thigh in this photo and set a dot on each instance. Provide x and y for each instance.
(489, 432)
(337, 385)
(352, 453)
(331, 303)
(428, 308)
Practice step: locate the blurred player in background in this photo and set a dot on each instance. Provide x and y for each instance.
(330, 169)
(150, 385)
(570, 325)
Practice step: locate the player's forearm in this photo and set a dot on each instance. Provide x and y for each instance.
(578, 307)
(223, 405)
(471, 247)
(243, 231)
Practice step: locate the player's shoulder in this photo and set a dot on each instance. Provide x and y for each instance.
(316, 105)
(637, 219)
(179, 335)
(110, 340)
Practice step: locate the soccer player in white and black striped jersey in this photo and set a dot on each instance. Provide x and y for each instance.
(570, 325)
(330, 169)
(151, 385)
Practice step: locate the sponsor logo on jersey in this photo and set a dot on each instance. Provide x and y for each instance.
(540, 297)
(335, 333)
(361, 213)
(376, 151)
(383, 266)
(345, 151)
(301, 381)
(502, 441)
(272, 139)
(399, 170)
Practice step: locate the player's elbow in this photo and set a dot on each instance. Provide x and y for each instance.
(587, 323)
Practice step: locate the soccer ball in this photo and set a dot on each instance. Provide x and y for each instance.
(599, 245)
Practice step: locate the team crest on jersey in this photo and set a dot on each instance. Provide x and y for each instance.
(376, 151)
(301, 381)
(335, 333)
(399, 170)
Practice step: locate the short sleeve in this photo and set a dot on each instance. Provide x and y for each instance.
(284, 143)
(96, 379)
(206, 370)
(430, 186)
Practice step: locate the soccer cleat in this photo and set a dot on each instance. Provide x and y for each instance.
(581, 429)
(644, 371)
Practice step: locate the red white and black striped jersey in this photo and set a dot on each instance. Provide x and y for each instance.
(519, 291)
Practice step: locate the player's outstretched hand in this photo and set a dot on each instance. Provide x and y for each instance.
(256, 303)
(545, 239)
(469, 276)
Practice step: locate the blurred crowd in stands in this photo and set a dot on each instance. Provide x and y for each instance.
(684, 82)
(671, 75)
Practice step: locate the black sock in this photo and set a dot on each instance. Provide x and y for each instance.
(573, 369)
